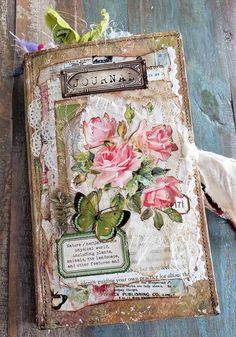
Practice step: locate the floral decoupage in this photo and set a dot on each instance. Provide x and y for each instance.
(121, 221)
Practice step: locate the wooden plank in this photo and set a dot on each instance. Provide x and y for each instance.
(21, 321)
(7, 16)
(228, 8)
(200, 23)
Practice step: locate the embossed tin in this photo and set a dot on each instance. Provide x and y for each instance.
(92, 79)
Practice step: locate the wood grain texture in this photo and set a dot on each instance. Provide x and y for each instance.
(7, 17)
(210, 56)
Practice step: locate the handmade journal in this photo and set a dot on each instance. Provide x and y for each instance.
(119, 227)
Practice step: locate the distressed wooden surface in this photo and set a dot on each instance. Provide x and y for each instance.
(7, 17)
(209, 39)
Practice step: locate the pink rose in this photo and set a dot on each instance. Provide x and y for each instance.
(155, 142)
(115, 164)
(98, 130)
(162, 194)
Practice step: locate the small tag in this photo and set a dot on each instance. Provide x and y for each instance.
(99, 78)
(84, 255)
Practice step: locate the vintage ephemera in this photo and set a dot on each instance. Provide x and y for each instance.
(119, 227)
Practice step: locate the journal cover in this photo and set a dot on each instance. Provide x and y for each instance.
(119, 226)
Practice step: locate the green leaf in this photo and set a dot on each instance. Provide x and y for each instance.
(149, 107)
(84, 160)
(134, 202)
(158, 171)
(94, 172)
(173, 215)
(132, 186)
(95, 197)
(80, 178)
(148, 213)
(145, 180)
(107, 187)
(62, 31)
(97, 32)
(145, 167)
(118, 201)
(129, 113)
(158, 220)
(122, 129)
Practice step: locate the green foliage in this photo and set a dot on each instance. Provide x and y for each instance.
(64, 34)
(62, 31)
(134, 202)
(173, 215)
(63, 209)
(97, 32)
(148, 213)
(158, 221)
(149, 108)
(122, 129)
(129, 113)
(158, 171)
(84, 160)
(132, 186)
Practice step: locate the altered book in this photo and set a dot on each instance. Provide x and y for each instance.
(119, 227)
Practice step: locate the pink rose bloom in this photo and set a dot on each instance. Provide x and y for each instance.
(115, 163)
(98, 130)
(162, 194)
(155, 142)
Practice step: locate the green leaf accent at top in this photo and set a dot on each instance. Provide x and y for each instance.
(173, 215)
(158, 221)
(97, 32)
(62, 31)
(149, 108)
(134, 202)
(118, 202)
(129, 113)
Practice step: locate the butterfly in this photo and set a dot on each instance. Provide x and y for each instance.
(87, 218)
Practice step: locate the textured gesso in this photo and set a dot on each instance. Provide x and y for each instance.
(119, 226)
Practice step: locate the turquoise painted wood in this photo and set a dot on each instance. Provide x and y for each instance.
(200, 23)
(209, 38)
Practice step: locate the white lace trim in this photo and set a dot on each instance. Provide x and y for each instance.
(44, 129)
(34, 119)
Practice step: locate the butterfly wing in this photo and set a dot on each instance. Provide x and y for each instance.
(84, 219)
(108, 222)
